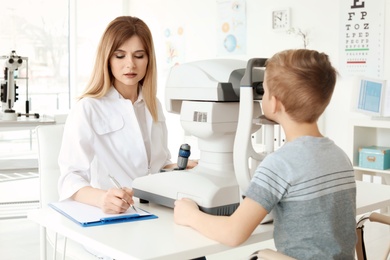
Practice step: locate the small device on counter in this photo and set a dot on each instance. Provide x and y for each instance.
(184, 154)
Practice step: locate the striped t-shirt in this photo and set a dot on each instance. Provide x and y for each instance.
(309, 185)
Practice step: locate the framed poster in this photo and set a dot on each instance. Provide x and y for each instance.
(372, 97)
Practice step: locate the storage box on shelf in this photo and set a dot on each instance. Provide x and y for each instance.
(374, 157)
(369, 132)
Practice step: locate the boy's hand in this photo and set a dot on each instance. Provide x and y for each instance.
(184, 211)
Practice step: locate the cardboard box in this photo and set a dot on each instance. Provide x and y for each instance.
(374, 157)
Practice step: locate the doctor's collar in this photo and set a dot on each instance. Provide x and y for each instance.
(113, 92)
(140, 97)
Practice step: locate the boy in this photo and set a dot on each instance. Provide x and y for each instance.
(308, 183)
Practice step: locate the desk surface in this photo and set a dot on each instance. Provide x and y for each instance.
(25, 122)
(371, 197)
(157, 238)
(162, 239)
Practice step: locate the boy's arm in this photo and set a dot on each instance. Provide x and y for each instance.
(229, 230)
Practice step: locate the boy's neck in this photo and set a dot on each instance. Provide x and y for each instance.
(294, 130)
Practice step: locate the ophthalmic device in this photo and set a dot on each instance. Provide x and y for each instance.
(9, 88)
(219, 102)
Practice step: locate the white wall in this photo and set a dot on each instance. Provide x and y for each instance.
(199, 20)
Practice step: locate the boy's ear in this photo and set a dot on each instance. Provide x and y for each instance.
(274, 104)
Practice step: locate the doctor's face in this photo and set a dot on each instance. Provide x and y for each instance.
(129, 63)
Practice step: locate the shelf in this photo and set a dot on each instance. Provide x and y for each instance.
(366, 132)
(18, 78)
(372, 170)
(383, 122)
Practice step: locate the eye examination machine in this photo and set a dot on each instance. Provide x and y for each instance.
(219, 102)
(9, 94)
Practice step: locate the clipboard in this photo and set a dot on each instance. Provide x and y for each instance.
(87, 215)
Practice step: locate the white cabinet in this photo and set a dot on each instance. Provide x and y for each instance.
(366, 132)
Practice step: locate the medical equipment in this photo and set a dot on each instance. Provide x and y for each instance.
(9, 88)
(184, 154)
(207, 94)
(246, 158)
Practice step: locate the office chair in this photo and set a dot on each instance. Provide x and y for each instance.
(49, 138)
(269, 254)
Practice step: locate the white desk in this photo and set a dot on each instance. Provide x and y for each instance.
(162, 239)
(25, 123)
(371, 197)
(157, 238)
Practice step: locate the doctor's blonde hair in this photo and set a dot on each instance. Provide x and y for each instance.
(303, 81)
(117, 32)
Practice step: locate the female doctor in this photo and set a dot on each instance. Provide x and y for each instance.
(117, 127)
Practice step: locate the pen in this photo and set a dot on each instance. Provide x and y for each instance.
(116, 183)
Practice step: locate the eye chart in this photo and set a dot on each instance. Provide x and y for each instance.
(362, 38)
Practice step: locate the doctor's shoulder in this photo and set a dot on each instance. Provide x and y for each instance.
(99, 114)
(93, 104)
(92, 107)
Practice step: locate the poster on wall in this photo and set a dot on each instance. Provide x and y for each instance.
(231, 27)
(362, 31)
(174, 45)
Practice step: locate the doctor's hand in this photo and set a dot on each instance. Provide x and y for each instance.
(184, 210)
(116, 201)
(192, 163)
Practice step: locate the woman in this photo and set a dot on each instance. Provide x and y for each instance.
(117, 128)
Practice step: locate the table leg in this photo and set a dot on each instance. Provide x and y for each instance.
(42, 243)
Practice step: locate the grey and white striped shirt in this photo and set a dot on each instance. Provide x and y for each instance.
(310, 186)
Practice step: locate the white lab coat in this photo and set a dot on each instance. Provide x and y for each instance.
(102, 136)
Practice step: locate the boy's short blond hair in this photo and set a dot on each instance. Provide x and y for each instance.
(303, 80)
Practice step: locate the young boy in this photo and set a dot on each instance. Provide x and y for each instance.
(308, 183)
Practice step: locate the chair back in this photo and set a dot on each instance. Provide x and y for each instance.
(360, 245)
(49, 139)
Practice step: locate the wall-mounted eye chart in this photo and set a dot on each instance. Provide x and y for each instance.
(362, 29)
